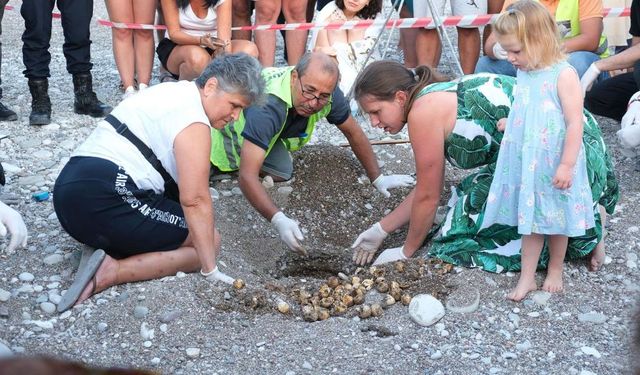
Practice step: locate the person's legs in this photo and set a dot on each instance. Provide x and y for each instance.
(493, 7)
(267, 12)
(428, 46)
(5, 113)
(245, 46)
(188, 61)
(488, 65)
(531, 249)
(557, 250)
(278, 163)
(595, 259)
(295, 12)
(144, 13)
(408, 40)
(581, 60)
(609, 98)
(469, 47)
(241, 17)
(123, 51)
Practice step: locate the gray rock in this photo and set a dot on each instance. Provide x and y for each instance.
(48, 307)
(42, 298)
(43, 154)
(509, 355)
(140, 311)
(170, 316)
(541, 298)
(523, 346)
(31, 180)
(592, 317)
(4, 295)
(436, 355)
(193, 352)
(307, 365)
(425, 309)
(53, 259)
(285, 190)
(591, 351)
(26, 277)
(465, 299)
(102, 326)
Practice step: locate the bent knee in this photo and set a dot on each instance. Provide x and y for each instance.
(245, 46)
(198, 59)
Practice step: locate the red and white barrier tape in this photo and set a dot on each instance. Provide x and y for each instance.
(402, 23)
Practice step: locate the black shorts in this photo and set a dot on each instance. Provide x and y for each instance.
(164, 49)
(98, 204)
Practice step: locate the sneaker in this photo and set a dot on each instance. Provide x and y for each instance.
(142, 86)
(129, 92)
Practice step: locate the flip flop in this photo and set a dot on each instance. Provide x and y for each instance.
(83, 277)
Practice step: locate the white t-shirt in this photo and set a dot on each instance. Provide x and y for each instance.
(156, 116)
(192, 25)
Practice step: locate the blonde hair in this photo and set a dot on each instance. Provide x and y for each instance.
(534, 27)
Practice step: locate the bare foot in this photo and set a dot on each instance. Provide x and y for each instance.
(104, 278)
(522, 289)
(553, 282)
(595, 259)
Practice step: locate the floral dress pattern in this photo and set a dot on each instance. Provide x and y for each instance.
(522, 193)
(460, 239)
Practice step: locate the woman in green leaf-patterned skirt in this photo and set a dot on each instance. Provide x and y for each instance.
(456, 121)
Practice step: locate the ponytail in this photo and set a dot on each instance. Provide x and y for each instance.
(383, 79)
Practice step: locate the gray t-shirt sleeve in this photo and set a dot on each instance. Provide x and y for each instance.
(263, 123)
(339, 108)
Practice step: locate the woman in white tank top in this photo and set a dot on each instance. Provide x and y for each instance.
(190, 24)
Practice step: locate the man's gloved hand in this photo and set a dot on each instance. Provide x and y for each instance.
(499, 52)
(390, 255)
(384, 183)
(217, 275)
(289, 232)
(589, 77)
(629, 134)
(367, 244)
(10, 219)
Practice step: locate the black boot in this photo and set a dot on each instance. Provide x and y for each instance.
(40, 102)
(6, 114)
(86, 101)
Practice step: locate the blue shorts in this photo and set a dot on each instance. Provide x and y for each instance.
(99, 205)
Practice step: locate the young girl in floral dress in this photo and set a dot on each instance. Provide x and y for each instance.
(540, 183)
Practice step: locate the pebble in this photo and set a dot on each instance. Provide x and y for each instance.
(415, 346)
(524, 346)
(632, 264)
(236, 191)
(4, 312)
(102, 326)
(509, 355)
(214, 193)
(155, 361)
(31, 180)
(4, 295)
(53, 259)
(48, 307)
(541, 298)
(436, 355)
(55, 298)
(307, 365)
(465, 299)
(425, 309)
(163, 327)
(26, 277)
(592, 317)
(170, 316)
(495, 370)
(534, 314)
(180, 274)
(587, 372)
(397, 347)
(140, 311)
(147, 344)
(285, 190)
(193, 352)
(227, 296)
(591, 351)
(516, 310)
(267, 182)
(145, 332)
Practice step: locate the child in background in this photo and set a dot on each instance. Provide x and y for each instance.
(350, 47)
(540, 183)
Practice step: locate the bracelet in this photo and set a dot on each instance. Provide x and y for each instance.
(207, 274)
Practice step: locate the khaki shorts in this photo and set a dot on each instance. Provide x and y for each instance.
(458, 8)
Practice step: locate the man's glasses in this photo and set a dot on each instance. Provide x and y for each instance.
(322, 98)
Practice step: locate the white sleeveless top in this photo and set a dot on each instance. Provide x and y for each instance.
(156, 116)
(192, 25)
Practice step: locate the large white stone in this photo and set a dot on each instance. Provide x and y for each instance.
(425, 309)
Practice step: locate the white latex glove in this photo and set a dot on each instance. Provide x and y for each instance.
(289, 232)
(384, 183)
(589, 77)
(629, 134)
(391, 255)
(499, 52)
(10, 219)
(367, 244)
(217, 275)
